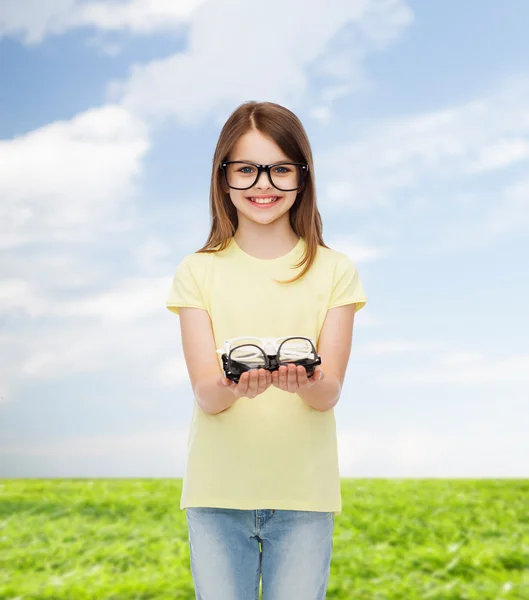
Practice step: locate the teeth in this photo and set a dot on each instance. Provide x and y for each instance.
(264, 200)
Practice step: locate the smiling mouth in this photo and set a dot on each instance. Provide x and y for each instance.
(263, 201)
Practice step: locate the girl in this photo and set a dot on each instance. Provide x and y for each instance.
(262, 484)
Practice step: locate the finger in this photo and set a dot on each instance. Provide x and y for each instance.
(292, 378)
(268, 378)
(275, 378)
(253, 383)
(283, 371)
(302, 376)
(234, 389)
(319, 374)
(257, 382)
(243, 384)
(225, 382)
(262, 381)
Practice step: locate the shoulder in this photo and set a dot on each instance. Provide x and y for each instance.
(201, 263)
(335, 259)
(197, 262)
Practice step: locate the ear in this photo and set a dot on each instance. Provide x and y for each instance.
(224, 187)
(303, 185)
(301, 190)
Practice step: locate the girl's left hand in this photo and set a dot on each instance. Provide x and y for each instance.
(294, 379)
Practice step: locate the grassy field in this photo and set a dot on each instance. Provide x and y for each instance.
(411, 539)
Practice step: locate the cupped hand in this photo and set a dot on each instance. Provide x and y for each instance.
(251, 383)
(294, 379)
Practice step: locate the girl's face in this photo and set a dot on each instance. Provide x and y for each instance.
(255, 147)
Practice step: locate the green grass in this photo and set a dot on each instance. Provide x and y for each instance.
(411, 539)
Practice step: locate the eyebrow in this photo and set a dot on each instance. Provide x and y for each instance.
(281, 160)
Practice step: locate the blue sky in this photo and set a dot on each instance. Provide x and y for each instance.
(419, 123)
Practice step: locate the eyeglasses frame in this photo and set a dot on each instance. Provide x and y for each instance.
(271, 361)
(261, 168)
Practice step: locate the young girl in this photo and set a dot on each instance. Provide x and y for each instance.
(262, 484)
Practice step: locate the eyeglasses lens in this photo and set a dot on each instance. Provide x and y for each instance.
(295, 349)
(251, 356)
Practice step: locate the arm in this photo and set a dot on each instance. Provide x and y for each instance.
(201, 360)
(214, 393)
(334, 347)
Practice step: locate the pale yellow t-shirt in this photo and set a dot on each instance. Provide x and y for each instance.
(274, 450)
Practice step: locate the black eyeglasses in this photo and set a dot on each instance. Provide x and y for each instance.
(284, 176)
(246, 353)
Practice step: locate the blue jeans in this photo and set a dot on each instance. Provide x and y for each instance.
(230, 549)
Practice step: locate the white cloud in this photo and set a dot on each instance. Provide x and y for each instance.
(481, 217)
(388, 347)
(399, 154)
(469, 369)
(101, 445)
(499, 154)
(150, 253)
(28, 279)
(48, 353)
(55, 334)
(510, 215)
(215, 72)
(132, 299)
(330, 40)
(64, 180)
(162, 452)
(340, 67)
(157, 453)
(33, 20)
(400, 449)
(139, 16)
(482, 451)
(321, 113)
(13, 294)
(357, 251)
(411, 172)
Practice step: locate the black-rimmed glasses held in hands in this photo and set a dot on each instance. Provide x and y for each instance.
(284, 176)
(243, 354)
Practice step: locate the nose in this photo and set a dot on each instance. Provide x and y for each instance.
(263, 181)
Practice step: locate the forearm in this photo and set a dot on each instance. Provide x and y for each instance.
(213, 398)
(323, 395)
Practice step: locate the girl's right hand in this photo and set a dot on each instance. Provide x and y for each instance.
(251, 383)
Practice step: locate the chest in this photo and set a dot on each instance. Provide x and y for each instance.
(249, 302)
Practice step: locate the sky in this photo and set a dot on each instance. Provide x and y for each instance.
(418, 118)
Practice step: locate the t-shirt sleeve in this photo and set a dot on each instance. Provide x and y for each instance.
(184, 290)
(347, 286)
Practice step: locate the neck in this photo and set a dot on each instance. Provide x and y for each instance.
(266, 241)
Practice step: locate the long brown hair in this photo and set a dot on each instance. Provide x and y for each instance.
(284, 127)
